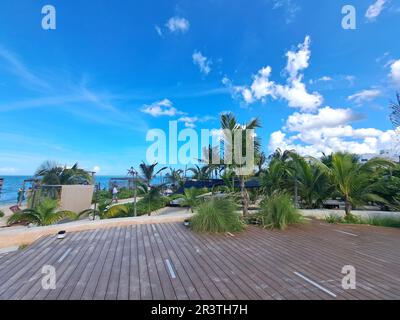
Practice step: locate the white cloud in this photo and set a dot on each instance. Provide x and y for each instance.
(158, 30)
(325, 78)
(161, 108)
(178, 24)
(8, 170)
(290, 7)
(375, 9)
(365, 95)
(202, 62)
(326, 117)
(330, 131)
(395, 72)
(190, 122)
(298, 97)
(298, 60)
(96, 169)
(294, 91)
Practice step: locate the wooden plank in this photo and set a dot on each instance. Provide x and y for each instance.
(72, 268)
(165, 279)
(169, 254)
(104, 277)
(113, 282)
(91, 285)
(31, 271)
(76, 290)
(145, 287)
(60, 263)
(134, 272)
(123, 281)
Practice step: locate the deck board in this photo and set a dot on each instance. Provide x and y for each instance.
(168, 261)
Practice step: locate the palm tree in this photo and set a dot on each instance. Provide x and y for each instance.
(54, 174)
(230, 124)
(174, 177)
(395, 112)
(148, 172)
(354, 181)
(261, 159)
(191, 197)
(200, 173)
(312, 181)
(43, 215)
(150, 194)
(275, 177)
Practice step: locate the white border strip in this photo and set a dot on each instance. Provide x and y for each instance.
(348, 233)
(315, 284)
(64, 255)
(170, 269)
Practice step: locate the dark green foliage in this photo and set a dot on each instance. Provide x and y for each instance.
(277, 211)
(216, 216)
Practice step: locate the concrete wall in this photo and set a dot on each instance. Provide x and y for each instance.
(76, 198)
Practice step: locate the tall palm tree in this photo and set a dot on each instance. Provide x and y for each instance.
(261, 160)
(354, 181)
(43, 215)
(312, 181)
(200, 173)
(191, 197)
(54, 174)
(174, 177)
(148, 172)
(395, 112)
(230, 124)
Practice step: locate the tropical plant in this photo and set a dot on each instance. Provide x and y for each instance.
(231, 129)
(216, 216)
(191, 197)
(200, 173)
(174, 177)
(260, 161)
(148, 172)
(43, 215)
(101, 209)
(278, 211)
(1, 214)
(354, 181)
(311, 180)
(395, 112)
(53, 174)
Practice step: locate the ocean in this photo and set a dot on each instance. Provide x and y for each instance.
(8, 194)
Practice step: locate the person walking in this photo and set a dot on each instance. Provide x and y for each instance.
(115, 194)
(20, 197)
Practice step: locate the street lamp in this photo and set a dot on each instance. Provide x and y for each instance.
(134, 174)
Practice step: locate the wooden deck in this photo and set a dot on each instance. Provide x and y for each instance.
(168, 261)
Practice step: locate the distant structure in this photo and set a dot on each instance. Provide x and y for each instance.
(386, 154)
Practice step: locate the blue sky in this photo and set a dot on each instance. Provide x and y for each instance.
(90, 90)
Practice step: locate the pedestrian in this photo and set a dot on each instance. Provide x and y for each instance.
(115, 194)
(20, 197)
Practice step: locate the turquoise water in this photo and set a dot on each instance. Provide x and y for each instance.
(8, 194)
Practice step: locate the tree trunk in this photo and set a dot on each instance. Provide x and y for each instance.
(347, 207)
(245, 198)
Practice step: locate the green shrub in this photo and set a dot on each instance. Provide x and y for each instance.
(216, 216)
(1, 214)
(277, 211)
(334, 219)
(386, 221)
(352, 219)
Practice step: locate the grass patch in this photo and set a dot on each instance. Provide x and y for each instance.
(384, 221)
(216, 216)
(392, 222)
(277, 212)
